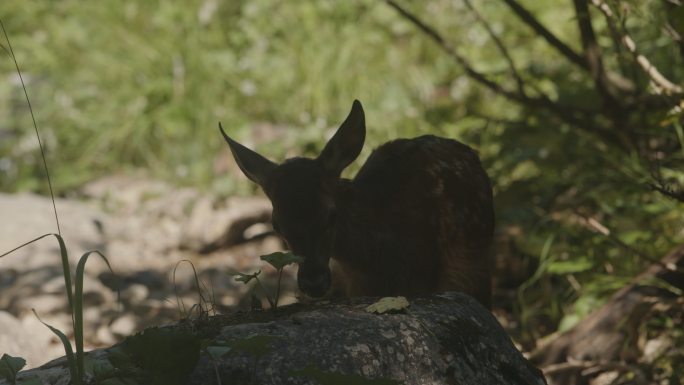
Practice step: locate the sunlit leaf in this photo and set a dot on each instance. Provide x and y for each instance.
(569, 266)
(281, 259)
(217, 352)
(245, 278)
(388, 305)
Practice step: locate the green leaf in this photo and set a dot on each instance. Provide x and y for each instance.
(10, 366)
(245, 278)
(66, 270)
(634, 236)
(388, 305)
(217, 352)
(570, 266)
(78, 308)
(677, 19)
(73, 369)
(281, 259)
(332, 378)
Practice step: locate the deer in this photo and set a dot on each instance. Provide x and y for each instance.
(416, 219)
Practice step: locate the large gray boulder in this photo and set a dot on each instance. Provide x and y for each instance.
(443, 339)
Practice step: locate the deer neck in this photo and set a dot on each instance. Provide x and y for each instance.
(355, 230)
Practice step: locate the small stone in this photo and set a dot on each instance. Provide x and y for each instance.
(135, 293)
(92, 316)
(123, 326)
(44, 304)
(27, 338)
(54, 286)
(388, 333)
(367, 370)
(105, 336)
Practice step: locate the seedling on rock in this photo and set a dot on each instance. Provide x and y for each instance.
(278, 260)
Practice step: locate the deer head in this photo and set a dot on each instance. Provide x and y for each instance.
(302, 192)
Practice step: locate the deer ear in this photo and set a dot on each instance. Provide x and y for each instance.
(347, 142)
(253, 165)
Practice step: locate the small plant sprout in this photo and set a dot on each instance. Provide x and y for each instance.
(278, 260)
(205, 303)
(10, 366)
(245, 278)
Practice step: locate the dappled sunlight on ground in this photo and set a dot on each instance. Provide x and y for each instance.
(146, 229)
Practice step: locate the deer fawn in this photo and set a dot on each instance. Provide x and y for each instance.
(416, 219)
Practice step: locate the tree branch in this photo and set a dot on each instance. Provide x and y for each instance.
(651, 71)
(550, 38)
(451, 51)
(593, 57)
(670, 189)
(572, 115)
(499, 45)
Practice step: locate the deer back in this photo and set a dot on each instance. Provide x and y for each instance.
(416, 219)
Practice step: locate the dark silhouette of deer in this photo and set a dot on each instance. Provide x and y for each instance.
(417, 218)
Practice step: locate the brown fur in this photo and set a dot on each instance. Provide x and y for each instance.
(417, 218)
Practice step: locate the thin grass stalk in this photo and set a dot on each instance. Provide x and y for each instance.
(78, 307)
(35, 125)
(76, 378)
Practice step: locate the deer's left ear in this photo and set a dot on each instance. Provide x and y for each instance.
(347, 142)
(254, 166)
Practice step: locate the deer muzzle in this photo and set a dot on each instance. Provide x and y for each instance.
(314, 281)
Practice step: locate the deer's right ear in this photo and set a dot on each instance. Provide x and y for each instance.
(253, 165)
(347, 142)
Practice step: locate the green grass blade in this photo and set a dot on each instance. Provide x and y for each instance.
(78, 306)
(76, 378)
(66, 270)
(25, 244)
(179, 302)
(65, 263)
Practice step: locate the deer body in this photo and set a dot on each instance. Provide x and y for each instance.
(417, 218)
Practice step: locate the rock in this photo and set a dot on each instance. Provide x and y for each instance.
(124, 194)
(444, 339)
(26, 217)
(212, 225)
(105, 336)
(141, 226)
(28, 339)
(123, 326)
(135, 293)
(44, 304)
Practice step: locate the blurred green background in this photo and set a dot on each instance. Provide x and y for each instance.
(121, 86)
